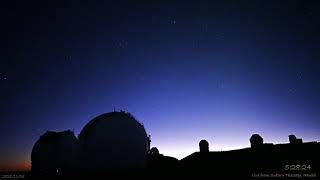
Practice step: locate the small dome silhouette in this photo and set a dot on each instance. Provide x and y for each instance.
(55, 151)
(256, 140)
(114, 140)
(154, 150)
(292, 138)
(204, 146)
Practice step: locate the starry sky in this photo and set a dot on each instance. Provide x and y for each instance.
(188, 70)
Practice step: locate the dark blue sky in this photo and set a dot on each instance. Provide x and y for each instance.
(215, 70)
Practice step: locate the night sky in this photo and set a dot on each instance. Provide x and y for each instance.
(188, 70)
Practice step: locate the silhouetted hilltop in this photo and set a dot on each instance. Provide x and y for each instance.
(115, 142)
(268, 159)
(159, 161)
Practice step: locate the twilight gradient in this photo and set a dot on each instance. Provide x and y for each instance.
(215, 70)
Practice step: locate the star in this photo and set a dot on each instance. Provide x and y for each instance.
(308, 12)
(3, 77)
(299, 76)
(123, 43)
(292, 91)
(68, 57)
(205, 27)
(220, 35)
(221, 85)
(173, 21)
(195, 44)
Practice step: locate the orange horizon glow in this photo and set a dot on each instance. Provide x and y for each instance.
(24, 166)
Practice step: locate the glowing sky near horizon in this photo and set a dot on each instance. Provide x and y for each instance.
(214, 70)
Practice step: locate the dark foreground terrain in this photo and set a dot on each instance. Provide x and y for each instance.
(268, 161)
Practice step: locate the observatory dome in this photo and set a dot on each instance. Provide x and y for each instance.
(114, 140)
(55, 152)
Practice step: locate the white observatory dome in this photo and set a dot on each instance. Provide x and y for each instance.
(114, 140)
